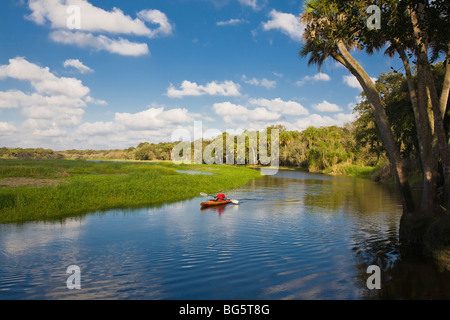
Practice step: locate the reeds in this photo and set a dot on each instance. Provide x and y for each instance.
(86, 186)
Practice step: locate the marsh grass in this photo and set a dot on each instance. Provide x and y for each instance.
(94, 186)
(351, 170)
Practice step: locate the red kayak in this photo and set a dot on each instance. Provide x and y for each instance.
(212, 203)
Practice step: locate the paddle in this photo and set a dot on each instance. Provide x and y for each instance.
(232, 200)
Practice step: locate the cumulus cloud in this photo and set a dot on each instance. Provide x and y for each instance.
(254, 4)
(188, 88)
(99, 43)
(352, 82)
(259, 113)
(78, 65)
(233, 114)
(352, 105)
(153, 118)
(99, 102)
(290, 108)
(326, 106)
(98, 128)
(317, 77)
(156, 123)
(165, 28)
(7, 127)
(56, 105)
(317, 120)
(95, 22)
(42, 80)
(231, 22)
(286, 23)
(268, 84)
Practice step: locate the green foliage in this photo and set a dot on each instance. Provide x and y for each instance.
(320, 148)
(395, 95)
(29, 153)
(87, 186)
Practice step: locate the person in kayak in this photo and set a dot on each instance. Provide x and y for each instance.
(220, 196)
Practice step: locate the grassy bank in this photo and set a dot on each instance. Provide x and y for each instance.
(347, 170)
(352, 170)
(51, 189)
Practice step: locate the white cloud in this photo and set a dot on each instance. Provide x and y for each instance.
(277, 74)
(77, 64)
(98, 128)
(255, 4)
(96, 22)
(11, 99)
(226, 88)
(7, 127)
(43, 80)
(291, 108)
(19, 99)
(352, 105)
(89, 99)
(229, 108)
(317, 77)
(95, 19)
(351, 81)
(54, 108)
(157, 17)
(156, 123)
(268, 84)
(326, 106)
(231, 22)
(50, 132)
(233, 114)
(286, 23)
(154, 117)
(81, 39)
(316, 120)
(53, 114)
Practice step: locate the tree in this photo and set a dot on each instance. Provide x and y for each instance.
(409, 29)
(325, 37)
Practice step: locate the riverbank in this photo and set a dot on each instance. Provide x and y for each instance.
(349, 170)
(54, 189)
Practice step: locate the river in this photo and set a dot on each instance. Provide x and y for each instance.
(294, 236)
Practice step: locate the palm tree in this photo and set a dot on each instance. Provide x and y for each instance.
(327, 34)
(410, 29)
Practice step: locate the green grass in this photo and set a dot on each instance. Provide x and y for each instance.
(356, 171)
(93, 186)
(351, 170)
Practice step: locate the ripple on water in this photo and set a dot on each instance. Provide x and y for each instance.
(295, 236)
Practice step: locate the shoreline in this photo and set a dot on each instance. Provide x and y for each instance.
(79, 187)
(53, 189)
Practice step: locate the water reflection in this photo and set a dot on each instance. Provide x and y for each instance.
(292, 236)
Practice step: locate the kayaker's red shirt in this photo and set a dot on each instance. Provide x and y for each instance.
(220, 196)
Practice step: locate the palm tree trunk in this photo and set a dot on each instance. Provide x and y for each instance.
(382, 123)
(427, 90)
(421, 123)
(430, 139)
(446, 86)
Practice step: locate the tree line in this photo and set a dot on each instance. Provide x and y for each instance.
(314, 149)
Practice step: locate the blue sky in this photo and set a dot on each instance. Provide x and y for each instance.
(117, 73)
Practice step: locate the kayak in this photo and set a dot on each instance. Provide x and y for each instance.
(212, 203)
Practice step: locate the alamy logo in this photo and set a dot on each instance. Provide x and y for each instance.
(74, 280)
(374, 21)
(241, 147)
(374, 281)
(73, 22)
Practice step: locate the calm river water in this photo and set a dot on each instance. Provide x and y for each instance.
(293, 236)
